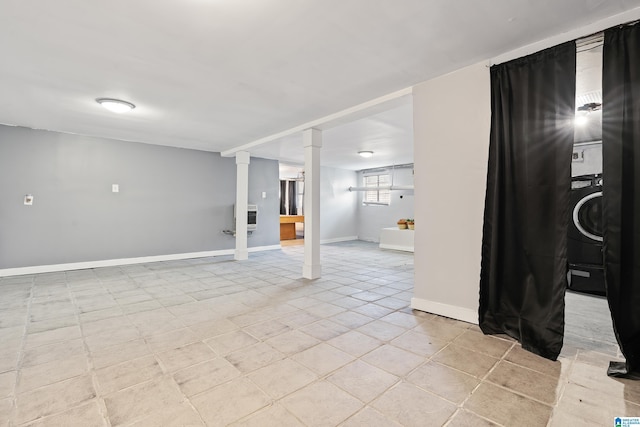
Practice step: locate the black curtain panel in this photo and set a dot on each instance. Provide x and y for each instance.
(621, 190)
(283, 197)
(293, 204)
(524, 244)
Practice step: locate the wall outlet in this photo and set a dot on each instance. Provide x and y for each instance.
(264, 194)
(115, 188)
(28, 200)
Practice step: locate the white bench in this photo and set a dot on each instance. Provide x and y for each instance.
(396, 239)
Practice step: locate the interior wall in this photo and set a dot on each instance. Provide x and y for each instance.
(338, 219)
(589, 159)
(371, 219)
(171, 200)
(451, 145)
(263, 178)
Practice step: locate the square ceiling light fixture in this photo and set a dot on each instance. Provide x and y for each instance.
(366, 154)
(115, 105)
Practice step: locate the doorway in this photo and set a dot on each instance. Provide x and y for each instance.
(588, 324)
(291, 205)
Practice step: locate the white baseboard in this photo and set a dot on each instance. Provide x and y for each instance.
(396, 247)
(338, 239)
(38, 269)
(452, 311)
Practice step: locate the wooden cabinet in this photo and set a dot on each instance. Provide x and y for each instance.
(288, 226)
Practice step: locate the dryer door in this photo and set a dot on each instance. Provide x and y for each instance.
(587, 216)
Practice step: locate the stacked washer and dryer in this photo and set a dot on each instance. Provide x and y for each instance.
(584, 238)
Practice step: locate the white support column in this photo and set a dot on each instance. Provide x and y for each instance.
(312, 140)
(242, 196)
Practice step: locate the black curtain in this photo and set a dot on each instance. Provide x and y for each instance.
(621, 189)
(283, 197)
(293, 195)
(524, 244)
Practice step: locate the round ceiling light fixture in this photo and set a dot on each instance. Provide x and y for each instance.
(115, 105)
(365, 154)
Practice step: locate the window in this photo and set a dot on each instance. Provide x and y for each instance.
(377, 196)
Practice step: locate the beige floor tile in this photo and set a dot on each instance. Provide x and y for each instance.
(110, 338)
(105, 325)
(183, 357)
(198, 378)
(362, 380)
(267, 329)
(438, 330)
(348, 302)
(506, 408)
(323, 358)
(403, 319)
(292, 342)
(106, 313)
(170, 340)
(595, 378)
(120, 353)
(86, 415)
(594, 405)
(54, 398)
(272, 416)
(230, 402)
(418, 343)
(283, 377)
(9, 359)
(141, 306)
(525, 381)
(156, 322)
(51, 324)
(142, 400)
(351, 319)
(298, 319)
(446, 382)
(471, 362)
(355, 343)
(539, 364)
(47, 373)
(212, 328)
(230, 342)
(6, 411)
(369, 417)
(7, 383)
(324, 329)
(324, 310)
(411, 406)
(464, 418)
(595, 358)
(321, 404)
(117, 377)
(56, 351)
(393, 359)
(179, 415)
(254, 357)
(382, 331)
(392, 303)
(486, 344)
(373, 310)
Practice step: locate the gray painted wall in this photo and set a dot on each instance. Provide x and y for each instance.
(171, 200)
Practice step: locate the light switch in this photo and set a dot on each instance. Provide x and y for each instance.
(264, 194)
(115, 188)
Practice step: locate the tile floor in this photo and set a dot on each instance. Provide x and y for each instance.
(216, 342)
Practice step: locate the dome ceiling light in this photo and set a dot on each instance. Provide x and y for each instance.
(115, 105)
(365, 154)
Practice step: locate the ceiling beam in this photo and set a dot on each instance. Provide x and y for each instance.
(352, 113)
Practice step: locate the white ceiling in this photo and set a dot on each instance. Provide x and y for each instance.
(216, 74)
